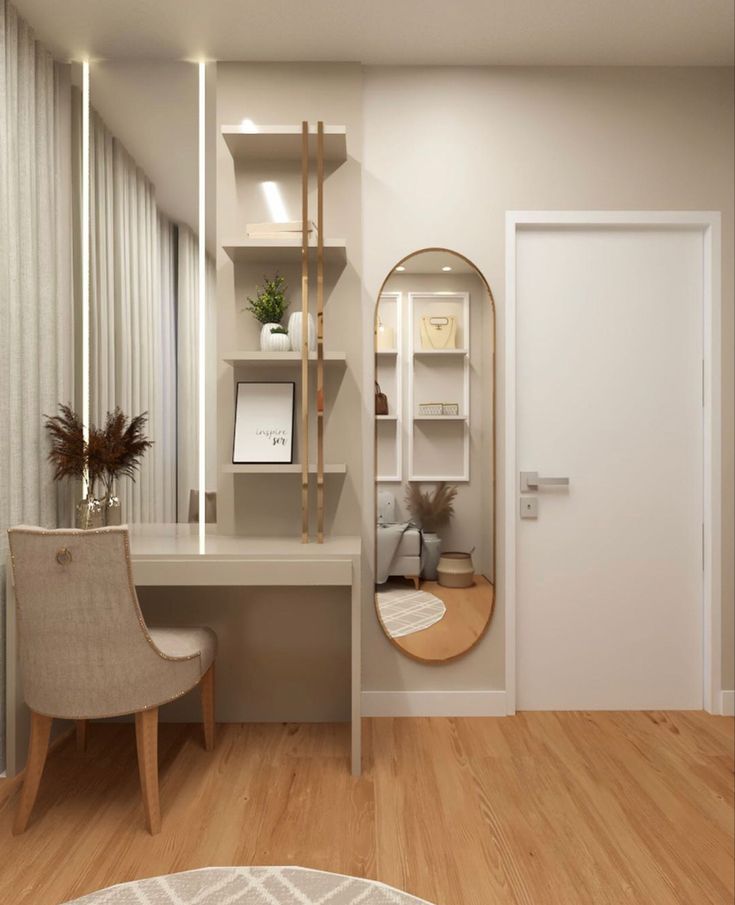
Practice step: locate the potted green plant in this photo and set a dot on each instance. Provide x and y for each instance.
(268, 308)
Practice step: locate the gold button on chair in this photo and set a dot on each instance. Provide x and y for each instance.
(86, 652)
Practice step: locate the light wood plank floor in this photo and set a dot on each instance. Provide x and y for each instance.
(539, 809)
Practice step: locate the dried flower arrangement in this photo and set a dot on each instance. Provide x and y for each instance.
(120, 446)
(109, 453)
(67, 454)
(431, 511)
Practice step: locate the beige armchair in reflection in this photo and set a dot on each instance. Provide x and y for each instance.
(210, 506)
(86, 652)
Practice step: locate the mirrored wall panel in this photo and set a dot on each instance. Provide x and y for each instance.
(435, 455)
(144, 291)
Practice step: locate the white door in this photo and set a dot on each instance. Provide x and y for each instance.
(609, 394)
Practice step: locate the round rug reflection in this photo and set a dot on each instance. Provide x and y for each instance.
(250, 886)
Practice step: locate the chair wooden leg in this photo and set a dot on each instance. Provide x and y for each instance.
(207, 690)
(416, 581)
(146, 737)
(38, 748)
(81, 735)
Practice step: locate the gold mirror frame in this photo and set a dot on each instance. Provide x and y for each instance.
(494, 447)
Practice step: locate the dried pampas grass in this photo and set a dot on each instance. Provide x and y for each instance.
(431, 511)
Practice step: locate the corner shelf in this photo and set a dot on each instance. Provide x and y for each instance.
(439, 445)
(255, 142)
(283, 251)
(277, 469)
(429, 353)
(279, 359)
(462, 418)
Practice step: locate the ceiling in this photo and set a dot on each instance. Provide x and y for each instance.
(379, 32)
(433, 262)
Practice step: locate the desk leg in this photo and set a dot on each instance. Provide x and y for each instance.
(17, 715)
(356, 645)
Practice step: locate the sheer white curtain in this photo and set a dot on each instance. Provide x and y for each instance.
(36, 315)
(132, 318)
(188, 371)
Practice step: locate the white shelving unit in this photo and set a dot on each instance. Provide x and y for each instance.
(248, 141)
(294, 469)
(248, 144)
(389, 373)
(439, 445)
(284, 251)
(254, 359)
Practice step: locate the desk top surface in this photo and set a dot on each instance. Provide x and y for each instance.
(160, 541)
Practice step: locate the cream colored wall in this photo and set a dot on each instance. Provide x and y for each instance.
(448, 151)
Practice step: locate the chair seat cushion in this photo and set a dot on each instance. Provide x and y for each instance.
(184, 641)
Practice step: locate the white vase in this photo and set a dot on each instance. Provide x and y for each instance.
(265, 337)
(296, 333)
(279, 342)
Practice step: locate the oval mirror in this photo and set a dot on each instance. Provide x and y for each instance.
(435, 455)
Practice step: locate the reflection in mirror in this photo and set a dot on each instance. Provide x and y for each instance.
(435, 455)
(144, 278)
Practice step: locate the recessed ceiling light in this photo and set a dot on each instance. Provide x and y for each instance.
(446, 268)
(400, 268)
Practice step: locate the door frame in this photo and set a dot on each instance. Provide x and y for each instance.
(709, 224)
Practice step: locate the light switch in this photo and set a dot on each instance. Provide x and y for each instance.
(529, 507)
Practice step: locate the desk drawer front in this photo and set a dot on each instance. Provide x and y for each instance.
(231, 572)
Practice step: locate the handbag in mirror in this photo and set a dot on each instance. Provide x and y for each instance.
(438, 331)
(381, 401)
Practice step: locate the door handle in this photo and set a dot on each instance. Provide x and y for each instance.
(530, 480)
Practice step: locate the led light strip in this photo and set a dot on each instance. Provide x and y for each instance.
(202, 311)
(85, 264)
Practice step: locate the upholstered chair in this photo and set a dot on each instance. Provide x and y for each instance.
(86, 652)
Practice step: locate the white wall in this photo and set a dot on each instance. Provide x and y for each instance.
(448, 150)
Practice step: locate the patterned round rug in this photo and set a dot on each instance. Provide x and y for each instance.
(404, 611)
(250, 886)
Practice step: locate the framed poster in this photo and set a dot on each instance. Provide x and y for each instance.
(264, 423)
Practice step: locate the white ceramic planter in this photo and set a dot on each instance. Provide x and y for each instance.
(280, 342)
(296, 334)
(265, 337)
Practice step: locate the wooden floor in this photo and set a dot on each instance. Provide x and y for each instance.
(574, 809)
(467, 617)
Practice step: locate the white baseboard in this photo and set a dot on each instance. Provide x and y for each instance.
(433, 703)
(727, 703)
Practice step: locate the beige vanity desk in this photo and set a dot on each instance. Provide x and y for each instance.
(169, 556)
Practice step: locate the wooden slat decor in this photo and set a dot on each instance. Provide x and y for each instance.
(304, 332)
(320, 336)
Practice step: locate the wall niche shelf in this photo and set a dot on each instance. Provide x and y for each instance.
(389, 374)
(440, 418)
(439, 445)
(430, 353)
(294, 469)
(252, 142)
(284, 251)
(279, 359)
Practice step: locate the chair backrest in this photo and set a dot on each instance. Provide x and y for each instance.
(83, 642)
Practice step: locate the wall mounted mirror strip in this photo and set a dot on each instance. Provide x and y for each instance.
(435, 455)
(148, 256)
